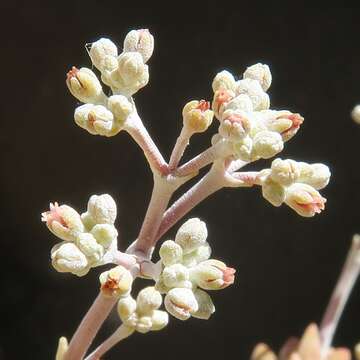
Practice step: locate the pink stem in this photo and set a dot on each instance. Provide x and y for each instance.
(340, 295)
(137, 130)
(181, 143)
(89, 326)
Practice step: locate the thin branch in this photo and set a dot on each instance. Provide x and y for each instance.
(89, 326)
(340, 295)
(120, 334)
(181, 144)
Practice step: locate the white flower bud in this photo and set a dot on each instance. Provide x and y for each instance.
(212, 275)
(223, 80)
(85, 86)
(196, 115)
(355, 114)
(240, 102)
(252, 88)
(180, 303)
(88, 245)
(116, 282)
(63, 221)
(285, 172)
(206, 306)
(273, 192)
(159, 320)
(191, 235)
(144, 324)
(148, 300)
(304, 199)
(267, 144)
(176, 275)
(100, 50)
(66, 257)
(170, 253)
(200, 254)
(261, 73)
(102, 208)
(120, 107)
(105, 234)
(126, 307)
(315, 175)
(140, 41)
(81, 117)
(243, 149)
(235, 125)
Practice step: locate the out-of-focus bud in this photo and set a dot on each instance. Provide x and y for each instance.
(261, 73)
(121, 107)
(88, 246)
(104, 234)
(62, 348)
(263, 352)
(176, 275)
(180, 303)
(304, 199)
(116, 282)
(206, 306)
(148, 300)
(221, 98)
(66, 257)
(102, 208)
(170, 252)
(252, 88)
(197, 116)
(159, 320)
(200, 254)
(273, 192)
(267, 144)
(241, 102)
(140, 41)
(315, 175)
(161, 287)
(85, 86)
(235, 125)
(355, 114)
(144, 324)
(212, 275)
(223, 80)
(285, 172)
(100, 50)
(63, 221)
(126, 307)
(243, 149)
(191, 235)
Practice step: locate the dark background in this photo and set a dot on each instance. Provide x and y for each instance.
(287, 265)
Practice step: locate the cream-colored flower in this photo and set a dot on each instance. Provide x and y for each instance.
(100, 51)
(105, 234)
(198, 255)
(252, 88)
(235, 125)
(159, 320)
(223, 80)
(170, 252)
(176, 275)
(315, 175)
(126, 307)
(148, 299)
(102, 209)
(140, 41)
(221, 98)
(261, 73)
(285, 172)
(196, 115)
(191, 235)
(267, 144)
(180, 303)
(273, 192)
(116, 282)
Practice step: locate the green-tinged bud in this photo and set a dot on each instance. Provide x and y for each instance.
(148, 300)
(116, 282)
(261, 73)
(223, 80)
(66, 257)
(170, 252)
(180, 303)
(159, 320)
(191, 235)
(273, 192)
(206, 306)
(100, 51)
(176, 275)
(102, 208)
(140, 41)
(89, 247)
(85, 86)
(126, 307)
(63, 221)
(212, 275)
(105, 234)
(285, 172)
(267, 144)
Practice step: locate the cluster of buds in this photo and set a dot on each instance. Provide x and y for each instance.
(88, 239)
(186, 270)
(250, 130)
(125, 74)
(295, 184)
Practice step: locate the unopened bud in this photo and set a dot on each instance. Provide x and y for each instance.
(180, 303)
(121, 107)
(176, 275)
(170, 252)
(126, 307)
(200, 254)
(285, 172)
(191, 235)
(100, 50)
(206, 306)
(261, 73)
(89, 246)
(267, 144)
(241, 102)
(223, 80)
(140, 41)
(102, 208)
(116, 282)
(243, 149)
(197, 116)
(273, 192)
(105, 234)
(148, 300)
(315, 175)
(159, 320)
(252, 88)
(235, 125)
(221, 98)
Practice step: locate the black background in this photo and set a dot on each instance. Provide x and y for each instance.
(287, 265)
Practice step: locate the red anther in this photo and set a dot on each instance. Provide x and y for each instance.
(296, 120)
(72, 73)
(203, 105)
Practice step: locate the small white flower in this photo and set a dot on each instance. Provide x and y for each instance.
(140, 41)
(148, 300)
(285, 172)
(261, 73)
(100, 50)
(116, 282)
(180, 303)
(191, 235)
(102, 208)
(170, 252)
(223, 80)
(267, 144)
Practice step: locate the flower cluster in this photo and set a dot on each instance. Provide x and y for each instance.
(295, 184)
(89, 239)
(248, 128)
(125, 74)
(187, 270)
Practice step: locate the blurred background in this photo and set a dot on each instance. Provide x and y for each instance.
(286, 265)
